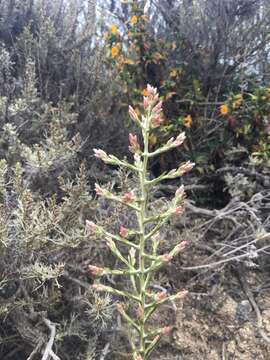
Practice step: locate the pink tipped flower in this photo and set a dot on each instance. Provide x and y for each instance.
(151, 91)
(134, 145)
(123, 231)
(180, 247)
(90, 226)
(146, 102)
(166, 257)
(161, 295)
(179, 210)
(138, 357)
(186, 167)
(99, 287)
(132, 113)
(181, 294)
(180, 139)
(157, 120)
(157, 109)
(167, 330)
(128, 197)
(95, 271)
(120, 308)
(180, 192)
(99, 191)
(100, 154)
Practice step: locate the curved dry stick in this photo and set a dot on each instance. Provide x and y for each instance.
(48, 352)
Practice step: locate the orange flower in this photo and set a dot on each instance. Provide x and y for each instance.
(114, 29)
(224, 109)
(115, 51)
(188, 121)
(133, 20)
(144, 92)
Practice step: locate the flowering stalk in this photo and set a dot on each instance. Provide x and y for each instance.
(140, 266)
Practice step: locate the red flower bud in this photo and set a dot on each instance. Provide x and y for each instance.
(180, 191)
(158, 108)
(186, 167)
(133, 114)
(157, 120)
(128, 197)
(100, 154)
(179, 210)
(134, 145)
(123, 231)
(90, 226)
(95, 271)
(180, 247)
(167, 330)
(166, 257)
(99, 287)
(181, 294)
(99, 191)
(140, 312)
(161, 295)
(120, 308)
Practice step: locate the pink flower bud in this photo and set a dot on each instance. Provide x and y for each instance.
(128, 197)
(178, 248)
(140, 312)
(180, 139)
(95, 271)
(181, 294)
(138, 357)
(134, 145)
(161, 295)
(180, 192)
(100, 154)
(123, 231)
(179, 210)
(186, 167)
(99, 287)
(151, 92)
(132, 113)
(90, 226)
(166, 257)
(157, 120)
(157, 109)
(167, 330)
(99, 191)
(146, 102)
(120, 308)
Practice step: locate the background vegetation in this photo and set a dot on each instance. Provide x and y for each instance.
(68, 71)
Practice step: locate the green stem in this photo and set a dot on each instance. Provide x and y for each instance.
(141, 220)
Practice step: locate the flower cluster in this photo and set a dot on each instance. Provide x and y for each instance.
(139, 266)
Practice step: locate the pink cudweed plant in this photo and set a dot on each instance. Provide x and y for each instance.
(142, 261)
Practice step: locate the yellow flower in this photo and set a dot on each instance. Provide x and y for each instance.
(238, 101)
(152, 140)
(144, 92)
(115, 51)
(224, 109)
(114, 29)
(129, 61)
(188, 121)
(133, 20)
(173, 73)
